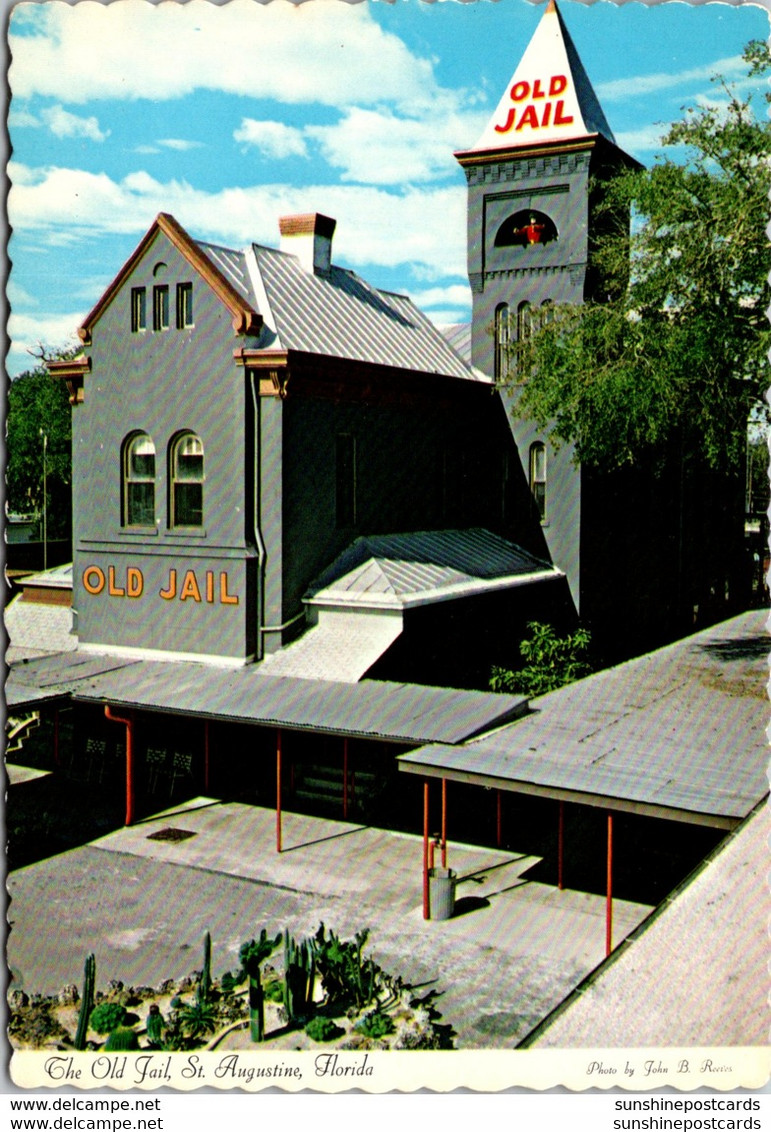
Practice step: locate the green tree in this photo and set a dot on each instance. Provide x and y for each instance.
(549, 662)
(678, 352)
(757, 474)
(38, 407)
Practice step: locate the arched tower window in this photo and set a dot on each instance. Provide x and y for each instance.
(527, 228)
(186, 476)
(524, 322)
(538, 477)
(138, 481)
(501, 341)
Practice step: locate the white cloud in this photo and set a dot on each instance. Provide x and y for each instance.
(644, 140)
(22, 117)
(18, 296)
(421, 227)
(181, 145)
(27, 331)
(63, 124)
(380, 148)
(324, 52)
(637, 85)
(273, 139)
(451, 317)
(455, 295)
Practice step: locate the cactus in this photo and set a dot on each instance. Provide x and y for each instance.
(203, 989)
(120, 1040)
(252, 956)
(155, 1025)
(86, 1002)
(299, 978)
(107, 1016)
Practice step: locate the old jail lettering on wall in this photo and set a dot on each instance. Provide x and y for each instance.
(537, 114)
(132, 585)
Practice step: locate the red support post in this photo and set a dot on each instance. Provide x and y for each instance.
(129, 723)
(278, 790)
(498, 819)
(561, 849)
(206, 756)
(609, 896)
(426, 906)
(444, 823)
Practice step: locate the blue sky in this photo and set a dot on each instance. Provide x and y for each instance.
(229, 117)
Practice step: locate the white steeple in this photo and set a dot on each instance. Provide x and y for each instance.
(549, 97)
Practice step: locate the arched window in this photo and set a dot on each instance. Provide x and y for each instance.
(501, 341)
(524, 322)
(138, 481)
(528, 228)
(186, 479)
(538, 477)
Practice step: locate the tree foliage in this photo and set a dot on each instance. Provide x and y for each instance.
(39, 406)
(550, 662)
(680, 352)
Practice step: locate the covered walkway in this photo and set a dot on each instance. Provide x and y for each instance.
(678, 734)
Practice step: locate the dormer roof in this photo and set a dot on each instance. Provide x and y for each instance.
(246, 320)
(548, 99)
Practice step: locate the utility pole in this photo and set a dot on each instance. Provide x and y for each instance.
(45, 500)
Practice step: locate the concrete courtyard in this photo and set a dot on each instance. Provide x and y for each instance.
(513, 950)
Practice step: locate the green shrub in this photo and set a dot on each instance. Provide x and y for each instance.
(323, 1029)
(274, 990)
(196, 1019)
(232, 979)
(550, 662)
(107, 1016)
(375, 1025)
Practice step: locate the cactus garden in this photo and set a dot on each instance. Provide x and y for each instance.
(286, 994)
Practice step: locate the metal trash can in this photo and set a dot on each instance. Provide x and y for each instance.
(441, 893)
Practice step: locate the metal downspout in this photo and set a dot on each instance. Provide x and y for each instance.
(129, 759)
(257, 516)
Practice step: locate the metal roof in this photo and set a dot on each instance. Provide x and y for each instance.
(36, 628)
(58, 577)
(680, 733)
(343, 646)
(711, 934)
(37, 680)
(403, 570)
(232, 264)
(404, 713)
(458, 334)
(338, 314)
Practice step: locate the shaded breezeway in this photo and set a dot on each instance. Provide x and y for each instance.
(511, 953)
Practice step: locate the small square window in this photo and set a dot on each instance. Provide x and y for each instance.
(138, 309)
(184, 305)
(161, 307)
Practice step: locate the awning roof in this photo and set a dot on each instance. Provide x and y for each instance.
(678, 734)
(402, 571)
(400, 713)
(343, 646)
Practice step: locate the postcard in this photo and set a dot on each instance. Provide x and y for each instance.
(387, 545)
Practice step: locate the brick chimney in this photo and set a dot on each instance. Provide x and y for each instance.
(309, 237)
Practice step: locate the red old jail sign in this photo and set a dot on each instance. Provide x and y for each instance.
(540, 110)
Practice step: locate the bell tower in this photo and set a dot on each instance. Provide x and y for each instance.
(532, 179)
